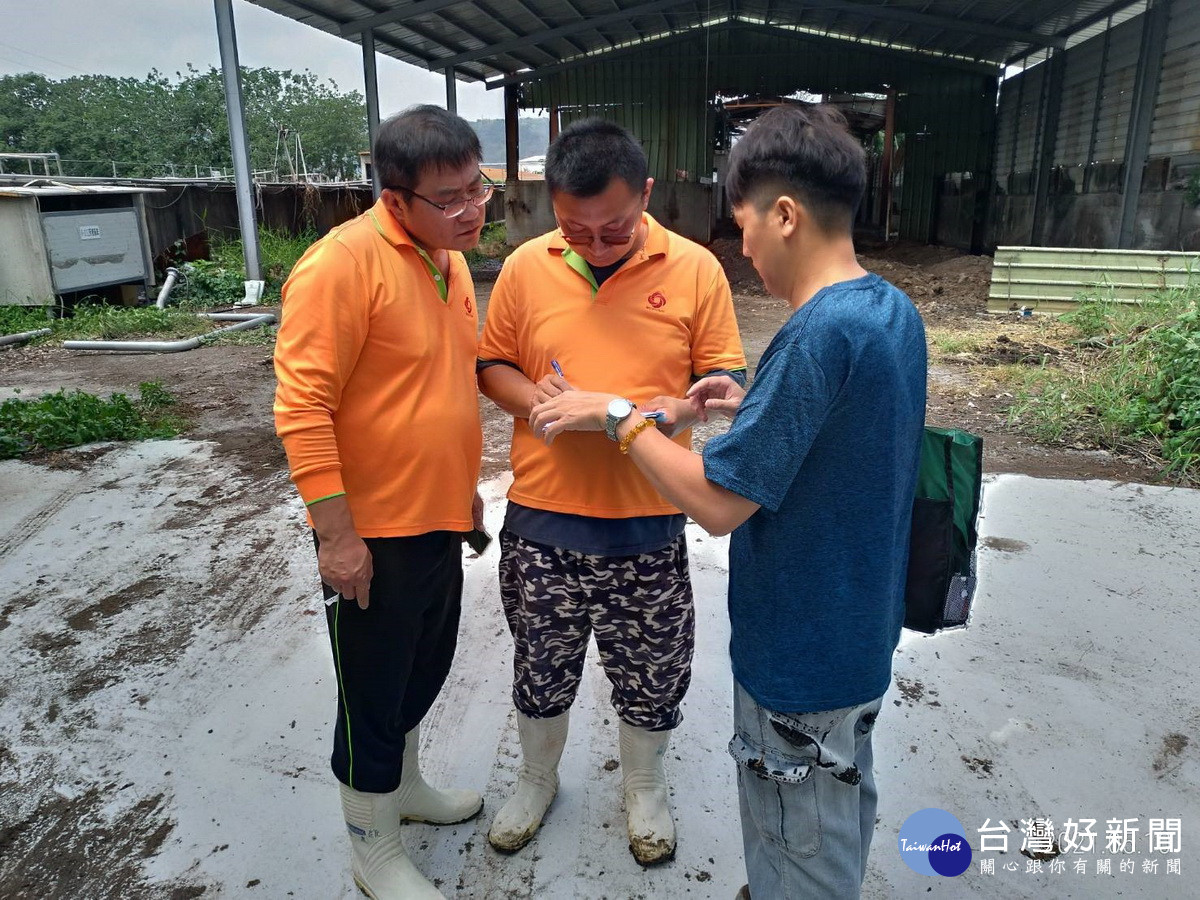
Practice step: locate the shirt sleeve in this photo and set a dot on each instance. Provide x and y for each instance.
(773, 430)
(498, 343)
(716, 343)
(324, 321)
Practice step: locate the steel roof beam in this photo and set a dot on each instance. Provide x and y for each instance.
(561, 31)
(474, 35)
(912, 17)
(1086, 22)
(396, 16)
(1097, 16)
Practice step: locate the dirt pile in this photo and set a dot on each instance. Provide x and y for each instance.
(944, 283)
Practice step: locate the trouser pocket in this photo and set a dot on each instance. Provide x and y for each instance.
(778, 794)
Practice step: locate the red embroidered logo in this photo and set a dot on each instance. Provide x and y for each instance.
(657, 300)
(467, 305)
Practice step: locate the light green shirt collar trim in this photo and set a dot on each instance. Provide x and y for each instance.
(579, 264)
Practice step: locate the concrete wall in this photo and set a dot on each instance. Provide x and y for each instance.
(1165, 221)
(684, 207)
(24, 274)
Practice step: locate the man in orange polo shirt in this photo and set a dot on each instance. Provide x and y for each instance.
(378, 411)
(588, 545)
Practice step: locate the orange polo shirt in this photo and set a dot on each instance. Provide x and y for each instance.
(376, 396)
(665, 316)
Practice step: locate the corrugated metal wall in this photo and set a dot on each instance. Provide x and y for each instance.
(944, 111)
(1092, 113)
(1176, 129)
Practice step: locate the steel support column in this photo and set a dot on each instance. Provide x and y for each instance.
(451, 92)
(512, 150)
(371, 83)
(1052, 88)
(1141, 117)
(239, 148)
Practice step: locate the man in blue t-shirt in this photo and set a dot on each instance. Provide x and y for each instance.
(815, 479)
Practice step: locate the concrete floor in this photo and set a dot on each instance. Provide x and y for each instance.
(1071, 695)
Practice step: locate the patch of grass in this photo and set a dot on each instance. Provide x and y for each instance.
(493, 244)
(951, 341)
(1135, 382)
(113, 323)
(262, 336)
(19, 319)
(220, 281)
(62, 419)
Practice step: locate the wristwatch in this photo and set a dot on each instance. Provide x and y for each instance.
(618, 411)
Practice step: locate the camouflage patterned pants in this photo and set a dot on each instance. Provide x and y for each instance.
(640, 608)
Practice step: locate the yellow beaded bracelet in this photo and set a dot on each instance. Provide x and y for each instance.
(634, 432)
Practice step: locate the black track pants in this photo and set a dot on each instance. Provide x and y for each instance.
(392, 658)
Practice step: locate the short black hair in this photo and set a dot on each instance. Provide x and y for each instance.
(589, 154)
(805, 151)
(420, 138)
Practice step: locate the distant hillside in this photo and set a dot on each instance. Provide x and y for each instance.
(534, 137)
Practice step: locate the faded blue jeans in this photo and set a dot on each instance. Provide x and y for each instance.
(808, 798)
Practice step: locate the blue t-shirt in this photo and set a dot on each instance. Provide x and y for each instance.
(827, 441)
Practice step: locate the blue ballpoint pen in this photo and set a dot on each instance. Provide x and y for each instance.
(557, 368)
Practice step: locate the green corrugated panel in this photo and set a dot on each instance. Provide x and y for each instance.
(1051, 279)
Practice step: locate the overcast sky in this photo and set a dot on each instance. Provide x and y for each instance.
(61, 38)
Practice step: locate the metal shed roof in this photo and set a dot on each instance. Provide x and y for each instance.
(481, 40)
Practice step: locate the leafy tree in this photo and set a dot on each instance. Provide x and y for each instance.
(149, 124)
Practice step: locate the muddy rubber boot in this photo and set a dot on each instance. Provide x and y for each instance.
(382, 869)
(542, 742)
(421, 803)
(647, 809)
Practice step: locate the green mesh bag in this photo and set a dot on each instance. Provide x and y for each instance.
(941, 561)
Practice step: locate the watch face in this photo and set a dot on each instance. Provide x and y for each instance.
(619, 408)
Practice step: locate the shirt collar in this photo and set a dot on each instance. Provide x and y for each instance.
(388, 227)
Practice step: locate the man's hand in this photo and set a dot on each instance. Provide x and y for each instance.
(717, 393)
(571, 410)
(345, 565)
(681, 414)
(549, 388)
(477, 511)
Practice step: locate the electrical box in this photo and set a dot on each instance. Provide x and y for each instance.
(94, 248)
(58, 238)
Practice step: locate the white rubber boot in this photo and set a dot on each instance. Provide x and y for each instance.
(647, 809)
(421, 803)
(382, 870)
(542, 742)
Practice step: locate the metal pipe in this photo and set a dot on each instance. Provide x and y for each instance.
(246, 321)
(22, 337)
(243, 181)
(172, 276)
(371, 84)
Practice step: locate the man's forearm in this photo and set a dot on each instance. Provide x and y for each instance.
(508, 388)
(678, 474)
(332, 519)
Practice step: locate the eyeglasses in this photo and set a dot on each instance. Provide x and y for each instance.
(611, 240)
(456, 208)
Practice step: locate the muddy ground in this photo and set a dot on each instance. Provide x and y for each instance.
(64, 838)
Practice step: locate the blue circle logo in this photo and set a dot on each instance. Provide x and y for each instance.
(933, 842)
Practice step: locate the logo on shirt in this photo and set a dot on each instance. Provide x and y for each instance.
(467, 305)
(657, 300)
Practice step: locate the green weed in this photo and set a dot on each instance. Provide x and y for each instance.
(19, 319)
(1138, 382)
(63, 419)
(220, 281)
(111, 323)
(493, 244)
